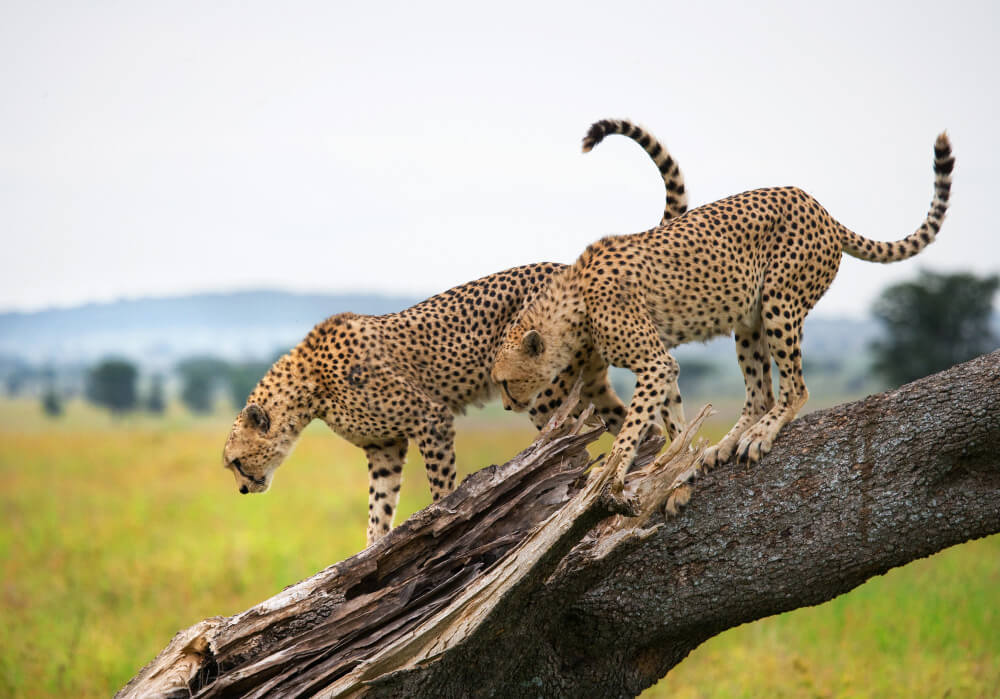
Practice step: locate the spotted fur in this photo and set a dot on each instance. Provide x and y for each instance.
(753, 264)
(384, 381)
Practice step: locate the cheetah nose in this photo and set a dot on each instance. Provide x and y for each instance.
(244, 490)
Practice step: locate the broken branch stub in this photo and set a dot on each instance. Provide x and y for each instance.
(410, 597)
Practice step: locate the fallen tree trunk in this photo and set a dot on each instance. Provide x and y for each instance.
(524, 582)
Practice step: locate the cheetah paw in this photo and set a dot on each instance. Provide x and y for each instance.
(678, 499)
(717, 454)
(752, 448)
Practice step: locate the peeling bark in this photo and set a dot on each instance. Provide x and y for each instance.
(524, 582)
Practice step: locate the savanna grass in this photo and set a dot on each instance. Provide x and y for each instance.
(116, 533)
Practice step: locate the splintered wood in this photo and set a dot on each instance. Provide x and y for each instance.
(429, 585)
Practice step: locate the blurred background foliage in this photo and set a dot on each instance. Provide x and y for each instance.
(931, 323)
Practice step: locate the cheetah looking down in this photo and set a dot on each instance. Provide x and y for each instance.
(381, 381)
(754, 263)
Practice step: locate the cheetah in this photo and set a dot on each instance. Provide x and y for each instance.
(752, 264)
(381, 381)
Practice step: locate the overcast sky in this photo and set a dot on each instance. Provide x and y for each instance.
(165, 148)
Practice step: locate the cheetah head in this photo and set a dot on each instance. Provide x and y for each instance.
(255, 448)
(525, 365)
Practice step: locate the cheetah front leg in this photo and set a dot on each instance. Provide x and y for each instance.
(656, 393)
(656, 385)
(436, 441)
(755, 363)
(385, 474)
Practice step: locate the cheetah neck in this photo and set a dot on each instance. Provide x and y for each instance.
(289, 393)
(560, 315)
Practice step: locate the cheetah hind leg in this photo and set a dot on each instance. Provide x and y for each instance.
(784, 344)
(758, 440)
(385, 473)
(755, 363)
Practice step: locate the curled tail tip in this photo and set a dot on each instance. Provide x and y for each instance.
(944, 162)
(598, 130)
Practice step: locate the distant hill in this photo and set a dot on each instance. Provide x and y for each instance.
(158, 331)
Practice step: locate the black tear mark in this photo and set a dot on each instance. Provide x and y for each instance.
(356, 377)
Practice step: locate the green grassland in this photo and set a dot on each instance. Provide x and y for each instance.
(116, 533)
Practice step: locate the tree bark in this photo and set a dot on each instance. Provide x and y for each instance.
(525, 583)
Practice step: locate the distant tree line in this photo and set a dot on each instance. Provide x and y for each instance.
(52, 402)
(203, 381)
(111, 384)
(932, 323)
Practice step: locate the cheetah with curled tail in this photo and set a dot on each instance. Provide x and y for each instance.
(753, 264)
(383, 381)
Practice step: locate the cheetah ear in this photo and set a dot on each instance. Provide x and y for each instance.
(258, 418)
(532, 343)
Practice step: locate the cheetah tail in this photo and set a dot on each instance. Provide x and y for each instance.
(673, 179)
(865, 249)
